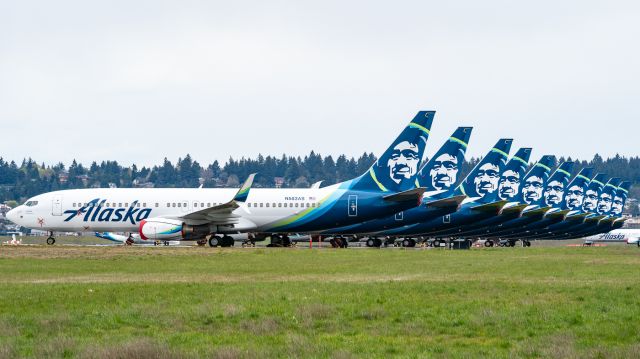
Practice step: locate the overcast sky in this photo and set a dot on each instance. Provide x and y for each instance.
(137, 81)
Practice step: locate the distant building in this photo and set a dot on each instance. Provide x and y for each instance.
(63, 176)
(4, 209)
(279, 181)
(142, 183)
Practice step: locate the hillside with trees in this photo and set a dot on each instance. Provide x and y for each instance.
(21, 181)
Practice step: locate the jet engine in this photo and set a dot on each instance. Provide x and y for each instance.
(164, 229)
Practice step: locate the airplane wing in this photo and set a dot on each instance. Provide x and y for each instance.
(223, 213)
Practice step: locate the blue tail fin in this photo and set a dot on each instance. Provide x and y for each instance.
(574, 195)
(590, 202)
(441, 172)
(555, 186)
(396, 169)
(533, 182)
(620, 199)
(482, 181)
(605, 199)
(512, 175)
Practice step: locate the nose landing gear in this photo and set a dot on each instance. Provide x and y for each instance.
(51, 240)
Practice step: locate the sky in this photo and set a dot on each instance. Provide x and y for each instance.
(138, 81)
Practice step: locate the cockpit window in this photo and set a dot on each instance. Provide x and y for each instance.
(31, 203)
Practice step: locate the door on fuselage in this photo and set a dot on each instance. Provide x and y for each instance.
(56, 206)
(353, 205)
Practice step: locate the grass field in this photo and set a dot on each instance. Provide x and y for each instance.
(134, 302)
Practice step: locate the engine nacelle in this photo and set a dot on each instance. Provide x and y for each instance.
(164, 229)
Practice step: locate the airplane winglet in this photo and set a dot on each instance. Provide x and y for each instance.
(316, 185)
(243, 192)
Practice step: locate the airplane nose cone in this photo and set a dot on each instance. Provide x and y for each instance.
(11, 215)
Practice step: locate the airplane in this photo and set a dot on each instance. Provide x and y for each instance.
(551, 197)
(572, 201)
(507, 190)
(133, 238)
(532, 193)
(480, 186)
(510, 187)
(386, 188)
(608, 210)
(626, 235)
(439, 176)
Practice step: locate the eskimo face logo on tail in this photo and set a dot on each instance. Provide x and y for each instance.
(444, 172)
(604, 203)
(508, 185)
(397, 168)
(553, 193)
(532, 189)
(403, 162)
(574, 197)
(590, 201)
(96, 211)
(616, 206)
(486, 180)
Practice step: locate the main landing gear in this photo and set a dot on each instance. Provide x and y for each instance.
(51, 240)
(224, 241)
(374, 242)
(339, 242)
(279, 240)
(408, 242)
(129, 240)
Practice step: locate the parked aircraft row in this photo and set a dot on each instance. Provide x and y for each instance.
(401, 197)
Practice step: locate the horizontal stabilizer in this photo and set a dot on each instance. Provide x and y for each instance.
(537, 212)
(594, 219)
(447, 202)
(490, 207)
(558, 214)
(577, 217)
(515, 209)
(406, 196)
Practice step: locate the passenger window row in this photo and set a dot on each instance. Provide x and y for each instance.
(290, 205)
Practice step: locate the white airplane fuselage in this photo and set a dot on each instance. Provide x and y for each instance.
(624, 235)
(122, 209)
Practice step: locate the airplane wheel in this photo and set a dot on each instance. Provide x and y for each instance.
(345, 243)
(128, 242)
(377, 242)
(408, 242)
(488, 243)
(51, 241)
(166, 243)
(370, 242)
(214, 241)
(333, 242)
(436, 243)
(526, 243)
(227, 241)
(286, 242)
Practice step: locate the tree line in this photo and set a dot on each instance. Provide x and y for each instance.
(19, 182)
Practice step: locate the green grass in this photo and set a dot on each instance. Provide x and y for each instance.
(116, 302)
